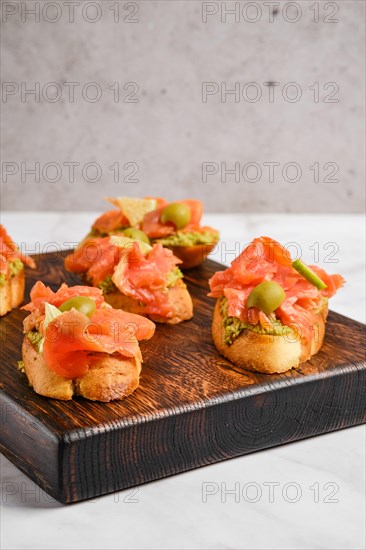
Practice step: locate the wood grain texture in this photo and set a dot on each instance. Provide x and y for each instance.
(193, 407)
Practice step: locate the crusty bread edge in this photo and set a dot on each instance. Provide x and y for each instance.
(179, 299)
(192, 256)
(12, 292)
(17, 286)
(109, 378)
(263, 352)
(5, 298)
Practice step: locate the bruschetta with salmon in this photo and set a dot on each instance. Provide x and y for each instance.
(12, 274)
(271, 311)
(134, 276)
(76, 344)
(175, 225)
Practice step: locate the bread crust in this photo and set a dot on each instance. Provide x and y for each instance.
(41, 378)
(120, 301)
(12, 292)
(179, 299)
(110, 377)
(5, 298)
(17, 286)
(191, 256)
(266, 353)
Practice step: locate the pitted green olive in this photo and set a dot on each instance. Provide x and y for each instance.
(177, 213)
(84, 304)
(266, 296)
(133, 233)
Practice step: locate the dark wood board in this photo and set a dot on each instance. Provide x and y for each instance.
(193, 407)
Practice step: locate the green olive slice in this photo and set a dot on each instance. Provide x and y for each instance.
(84, 304)
(177, 213)
(266, 296)
(134, 233)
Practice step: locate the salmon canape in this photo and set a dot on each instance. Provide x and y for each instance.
(76, 344)
(271, 311)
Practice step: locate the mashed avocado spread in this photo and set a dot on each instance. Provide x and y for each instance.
(190, 239)
(234, 326)
(15, 267)
(173, 276)
(36, 339)
(21, 366)
(107, 285)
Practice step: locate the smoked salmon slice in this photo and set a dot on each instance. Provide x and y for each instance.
(142, 277)
(110, 221)
(145, 278)
(98, 255)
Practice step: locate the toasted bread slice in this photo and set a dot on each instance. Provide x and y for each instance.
(109, 378)
(179, 299)
(181, 303)
(5, 297)
(266, 353)
(12, 292)
(17, 286)
(41, 378)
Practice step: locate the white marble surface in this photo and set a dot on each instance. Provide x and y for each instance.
(172, 513)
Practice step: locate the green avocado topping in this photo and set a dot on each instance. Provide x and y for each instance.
(190, 239)
(15, 266)
(21, 366)
(107, 285)
(234, 326)
(36, 339)
(2, 279)
(173, 277)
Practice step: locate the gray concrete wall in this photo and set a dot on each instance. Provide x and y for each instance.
(169, 132)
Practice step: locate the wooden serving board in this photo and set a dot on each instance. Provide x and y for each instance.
(193, 407)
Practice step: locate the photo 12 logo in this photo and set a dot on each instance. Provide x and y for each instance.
(68, 172)
(269, 172)
(70, 92)
(254, 12)
(70, 11)
(27, 492)
(270, 92)
(269, 491)
(316, 252)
